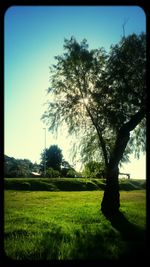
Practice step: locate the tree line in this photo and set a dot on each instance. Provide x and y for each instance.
(52, 165)
(18, 167)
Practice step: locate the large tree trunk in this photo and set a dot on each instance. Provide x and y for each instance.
(111, 199)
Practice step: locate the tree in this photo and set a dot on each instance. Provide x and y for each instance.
(68, 171)
(17, 167)
(51, 173)
(53, 157)
(102, 96)
(94, 169)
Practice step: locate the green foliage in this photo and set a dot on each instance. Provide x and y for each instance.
(52, 157)
(126, 79)
(17, 167)
(56, 166)
(138, 139)
(96, 93)
(94, 169)
(67, 170)
(71, 173)
(50, 173)
(69, 225)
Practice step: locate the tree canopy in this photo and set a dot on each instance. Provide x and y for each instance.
(56, 165)
(94, 169)
(18, 167)
(53, 157)
(97, 92)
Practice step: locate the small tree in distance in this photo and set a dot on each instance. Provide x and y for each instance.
(67, 170)
(53, 157)
(94, 169)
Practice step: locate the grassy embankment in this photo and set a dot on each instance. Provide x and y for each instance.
(68, 184)
(69, 225)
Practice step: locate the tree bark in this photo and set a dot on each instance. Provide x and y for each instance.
(111, 199)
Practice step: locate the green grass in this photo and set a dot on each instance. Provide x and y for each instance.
(41, 225)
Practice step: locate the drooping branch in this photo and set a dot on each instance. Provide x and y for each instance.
(101, 139)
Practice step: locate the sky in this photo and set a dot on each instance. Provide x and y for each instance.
(33, 36)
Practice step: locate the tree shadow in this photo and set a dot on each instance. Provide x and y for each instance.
(132, 234)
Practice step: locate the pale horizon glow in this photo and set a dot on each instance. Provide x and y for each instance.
(33, 36)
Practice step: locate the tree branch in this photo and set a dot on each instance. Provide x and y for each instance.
(134, 121)
(101, 139)
(124, 136)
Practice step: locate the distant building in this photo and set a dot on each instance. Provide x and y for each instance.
(35, 174)
(127, 174)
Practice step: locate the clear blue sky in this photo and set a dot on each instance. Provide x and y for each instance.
(32, 37)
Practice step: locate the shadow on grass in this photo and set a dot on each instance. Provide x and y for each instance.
(105, 244)
(83, 244)
(133, 235)
(124, 242)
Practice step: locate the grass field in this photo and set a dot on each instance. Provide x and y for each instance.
(42, 225)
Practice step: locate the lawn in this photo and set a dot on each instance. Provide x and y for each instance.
(42, 225)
